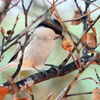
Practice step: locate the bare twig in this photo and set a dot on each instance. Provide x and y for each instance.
(63, 25)
(23, 32)
(78, 7)
(51, 73)
(12, 31)
(38, 77)
(91, 3)
(67, 89)
(77, 94)
(90, 78)
(97, 75)
(22, 47)
(9, 36)
(17, 37)
(19, 65)
(26, 11)
(84, 33)
(4, 8)
(81, 17)
(14, 5)
(25, 43)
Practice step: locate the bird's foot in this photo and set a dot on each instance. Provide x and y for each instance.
(40, 71)
(53, 67)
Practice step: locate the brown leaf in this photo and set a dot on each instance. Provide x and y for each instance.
(76, 15)
(96, 94)
(9, 32)
(66, 45)
(90, 40)
(2, 31)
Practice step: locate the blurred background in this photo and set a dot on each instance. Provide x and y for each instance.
(56, 85)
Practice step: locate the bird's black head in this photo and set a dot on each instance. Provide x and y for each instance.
(53, 24)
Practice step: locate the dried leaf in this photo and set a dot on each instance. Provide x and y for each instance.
(76, 15)
(66, 45)
(90, 40)
(2, 31)
(96, 94)
(9, 32)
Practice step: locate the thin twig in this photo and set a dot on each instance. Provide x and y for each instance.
(14, 5)
(91, 3)
(97, 74)
(22, 47)
(90, 78)
(19, 65)
(4, 8)
(38, 77)
(9, 36)
(81, 17)
(84, 33)
(24, 31)
(65, 28)
(26, 11)
(77, 94)
(78, 7)
(67, 89)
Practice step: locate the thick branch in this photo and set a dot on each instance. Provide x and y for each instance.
(39, 77)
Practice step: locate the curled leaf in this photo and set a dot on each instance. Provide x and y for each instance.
(76, 15)
(9, 32)
(90, 40)
(66, 45)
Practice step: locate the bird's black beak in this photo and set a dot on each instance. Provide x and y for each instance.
(61, 37)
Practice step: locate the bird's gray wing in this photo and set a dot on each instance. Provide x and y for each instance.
(14, 56)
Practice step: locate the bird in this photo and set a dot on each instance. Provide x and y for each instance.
(39, 46)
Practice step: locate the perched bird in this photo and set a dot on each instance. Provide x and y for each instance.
(39, 45)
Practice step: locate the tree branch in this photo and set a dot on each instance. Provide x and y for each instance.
(4, 8)
(53, 72)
